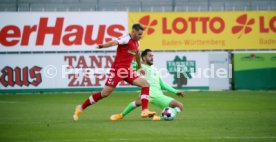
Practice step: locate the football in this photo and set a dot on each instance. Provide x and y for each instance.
(168, 113)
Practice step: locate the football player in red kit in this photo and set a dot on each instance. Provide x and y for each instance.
(126, 51)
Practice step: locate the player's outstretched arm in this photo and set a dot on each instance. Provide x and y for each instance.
(108, 44)
(167, 87)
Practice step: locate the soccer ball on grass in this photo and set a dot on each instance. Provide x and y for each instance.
(168, 113)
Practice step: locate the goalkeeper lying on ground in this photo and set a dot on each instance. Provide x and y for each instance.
(156, 85)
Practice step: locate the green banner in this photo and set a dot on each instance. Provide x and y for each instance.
(255, 71)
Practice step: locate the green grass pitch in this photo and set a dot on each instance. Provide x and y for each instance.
(238, 116)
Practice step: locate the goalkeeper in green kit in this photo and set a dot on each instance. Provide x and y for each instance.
(156, 85)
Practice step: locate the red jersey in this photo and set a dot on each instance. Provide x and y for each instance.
(127, 49)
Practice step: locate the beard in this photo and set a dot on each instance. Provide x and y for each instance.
(150, 62)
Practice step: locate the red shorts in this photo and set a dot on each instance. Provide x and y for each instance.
(117, 75)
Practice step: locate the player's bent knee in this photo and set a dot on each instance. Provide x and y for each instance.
(138, 102)
(145, 83)
(175, 103)
(105, 93)
(137, 105)
(141, 82)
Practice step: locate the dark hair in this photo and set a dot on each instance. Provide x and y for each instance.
(145, 52)
(137, 27)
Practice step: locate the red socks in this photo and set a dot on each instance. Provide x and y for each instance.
(91, 100)
(145, 97)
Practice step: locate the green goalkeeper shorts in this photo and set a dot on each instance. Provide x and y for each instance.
(159, 99)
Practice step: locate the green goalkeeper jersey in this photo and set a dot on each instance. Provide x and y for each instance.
(154, 79)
